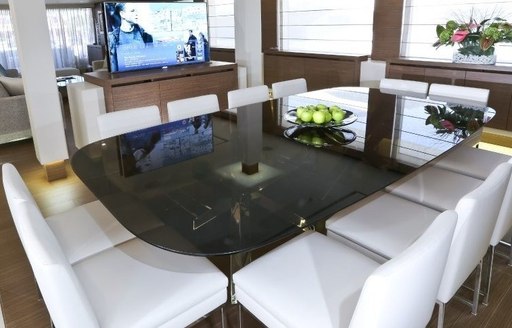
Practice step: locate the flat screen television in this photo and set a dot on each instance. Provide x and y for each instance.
(146, 35)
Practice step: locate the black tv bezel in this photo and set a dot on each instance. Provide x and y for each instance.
(153, 68)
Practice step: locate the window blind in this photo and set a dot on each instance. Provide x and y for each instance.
(221, 19)
(326, 26)
(421, 18)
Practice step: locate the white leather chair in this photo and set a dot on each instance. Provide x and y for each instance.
(475, 162)
(503, 226)
(247, 96)
(127, 120)
(132, 284)
(289, 87)
(458, 94)
(314, 281)
(83, 231)
(404, 87)
(190, 107)
(387, 224)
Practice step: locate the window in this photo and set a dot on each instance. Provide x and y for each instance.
(326, 26)
(221, 23)
(421, 18)
(71, 30)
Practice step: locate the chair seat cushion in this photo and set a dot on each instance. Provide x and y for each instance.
(86, 230)
(435, 187)
(138, 285)
(382, 223)
(311, 281)
(474, 162)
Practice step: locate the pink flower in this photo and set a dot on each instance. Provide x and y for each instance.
(447, 125)
(473, 25)
(459, 35)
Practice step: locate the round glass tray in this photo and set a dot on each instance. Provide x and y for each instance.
(350, 117)
(320, 137)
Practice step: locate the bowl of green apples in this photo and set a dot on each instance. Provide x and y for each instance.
(320, 115)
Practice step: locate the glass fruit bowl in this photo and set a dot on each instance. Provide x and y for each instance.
(320, 137)
(292, 117)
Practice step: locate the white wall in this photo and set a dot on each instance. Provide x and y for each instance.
(248, 39)
(38, 70)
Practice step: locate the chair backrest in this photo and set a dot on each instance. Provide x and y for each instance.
(190, 107)
(64, 297)
(404, 87)
(289, 87)
(15, 187)
(127, 120)
(504, 222)
(247, 96)
(458, 94)
(477, 211)
(402, 292)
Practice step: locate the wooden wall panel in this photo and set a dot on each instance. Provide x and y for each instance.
(222, 54)
(193, 86)
(269, 25)
(500, 93)
(320, 71)
(387, 27)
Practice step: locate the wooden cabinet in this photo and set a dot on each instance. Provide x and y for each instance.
(159, 86)
(496, 78)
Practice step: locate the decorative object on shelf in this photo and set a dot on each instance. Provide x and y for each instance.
(458, 120)
(475, 40)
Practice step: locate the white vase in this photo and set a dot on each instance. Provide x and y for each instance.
(474, 59)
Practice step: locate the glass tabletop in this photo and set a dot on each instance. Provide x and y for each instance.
(243, 178)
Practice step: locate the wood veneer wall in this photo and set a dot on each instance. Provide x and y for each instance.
(387, 29)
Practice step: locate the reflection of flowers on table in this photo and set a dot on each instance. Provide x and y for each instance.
(459, 120)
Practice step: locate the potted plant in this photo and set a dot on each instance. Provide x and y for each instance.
(475, 39)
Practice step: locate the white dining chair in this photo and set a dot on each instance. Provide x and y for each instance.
(191, 107)
(387, 223)
(404, 87)
(289, 87)
(314, 281)
(127, 120)
(248, 96)
(82, 231)
(459, 94)
(475, 162)
(132, 284)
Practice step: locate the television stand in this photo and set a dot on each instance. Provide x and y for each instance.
(159, 86)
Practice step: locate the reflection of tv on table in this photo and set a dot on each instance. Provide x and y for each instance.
(144, 35)
(165, 144)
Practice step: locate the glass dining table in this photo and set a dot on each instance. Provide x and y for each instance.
(241, 179)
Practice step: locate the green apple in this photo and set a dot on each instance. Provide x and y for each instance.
(319, 117)
(328, 116)
(334, 108)
(300, 110)
(306, 116)
(321, 107)
(338, 116)
(317, 141)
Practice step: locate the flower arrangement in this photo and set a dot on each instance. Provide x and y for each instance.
(458, 120)
(473, 37)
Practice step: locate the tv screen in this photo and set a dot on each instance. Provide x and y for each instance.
(144, 35)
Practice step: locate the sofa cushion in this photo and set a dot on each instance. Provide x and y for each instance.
(13, 85)
(3, 91)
